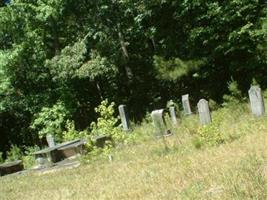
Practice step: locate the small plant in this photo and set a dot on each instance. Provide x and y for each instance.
(71, 133)
(29, 159)
(235, 95)
(15, 153)
(106, 123)
(211, 134)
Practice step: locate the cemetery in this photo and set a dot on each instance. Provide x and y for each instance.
(133, 99)
(172, 122)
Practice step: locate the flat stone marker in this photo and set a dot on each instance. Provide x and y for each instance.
(256, 101)
(204, 112)
(186, 104)
(159, 123)
(124, 118)
(11, 167)
(60, 151)
(50, 140)
(173, 116)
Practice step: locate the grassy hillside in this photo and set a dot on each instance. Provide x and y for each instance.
(225, 160)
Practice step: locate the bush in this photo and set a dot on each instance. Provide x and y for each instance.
(106, 123)
(71, 133)
(15, 153)
(51, 120)
(29, 158)
(235, 95)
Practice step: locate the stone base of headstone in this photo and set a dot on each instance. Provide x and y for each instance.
(11, 167)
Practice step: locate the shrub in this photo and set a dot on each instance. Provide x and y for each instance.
(29, 158)
(211, 134)
(15, 153)
(235, 95)
(71, 133)
(106, 123)
(51, 120)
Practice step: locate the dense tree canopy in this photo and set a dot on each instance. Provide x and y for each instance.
(138, 52)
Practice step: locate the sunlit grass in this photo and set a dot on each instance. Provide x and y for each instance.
(144, 169)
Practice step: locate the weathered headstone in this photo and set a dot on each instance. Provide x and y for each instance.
(124, 118)
(50, 140)
(186, 104)
(173, 116)
(159, 123)
(256, 101)
(204, 112)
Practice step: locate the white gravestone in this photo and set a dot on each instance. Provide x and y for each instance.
(158, 122)
(204, 112)
(173, 116)
(50, 140)
(186, 104)
(124, 118)
(256, 101)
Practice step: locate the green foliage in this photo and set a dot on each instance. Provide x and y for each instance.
(51, 120)
(28, 158)
(1, 157)
(106, 123)
(175, 68)
(71, 133)
(14, 154)
(212, 134)
(97, 67)
(65, 65)
(235, 95)
(138, 52)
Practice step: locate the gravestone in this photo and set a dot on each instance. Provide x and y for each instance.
(11, 167)
(173, 116)
(60, 151)
(186, 104)
(256, 101)
(204, 112)
(159, 123)
(50, 140)
(124, 118)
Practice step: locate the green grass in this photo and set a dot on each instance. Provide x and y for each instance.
(143, 169)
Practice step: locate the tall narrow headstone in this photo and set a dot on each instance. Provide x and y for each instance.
(186, 104)
(256, 101)
(50, 140)
(124, 118)
(204, 112)
(173, 116)
(158, 122)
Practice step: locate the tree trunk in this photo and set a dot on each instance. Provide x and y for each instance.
(125, 54)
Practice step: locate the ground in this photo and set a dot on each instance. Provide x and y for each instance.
(145, 169)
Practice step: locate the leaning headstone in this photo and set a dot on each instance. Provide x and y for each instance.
(256, 101)
(124, 118)
(173, 116)
(159, 123)
(204, 112)
(50, 140)
(186, 104)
